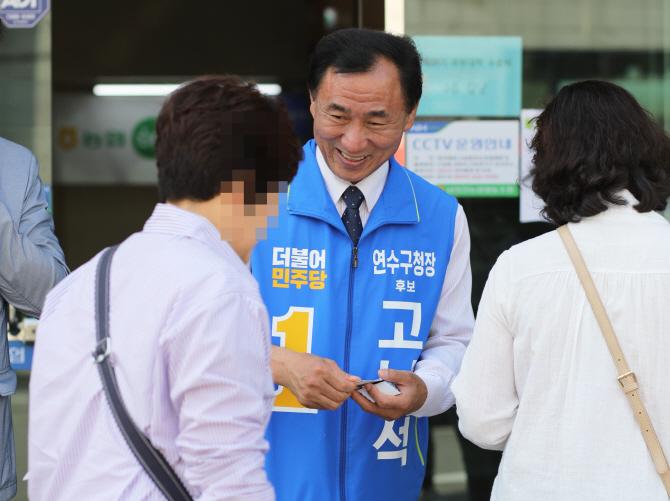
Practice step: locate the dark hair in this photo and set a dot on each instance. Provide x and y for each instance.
(215, 125)
(355, 50)
(594, 140)
(2, 30)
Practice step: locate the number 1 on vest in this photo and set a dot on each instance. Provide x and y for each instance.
(294, 331)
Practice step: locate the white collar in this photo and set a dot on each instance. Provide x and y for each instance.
(628, 196)
(371, 186)
(614, 212)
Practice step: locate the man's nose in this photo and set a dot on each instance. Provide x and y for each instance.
(354, 140)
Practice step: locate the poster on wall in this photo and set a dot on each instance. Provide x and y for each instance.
(470, 76)
(104, 140)
(530, 204)
(466, 158)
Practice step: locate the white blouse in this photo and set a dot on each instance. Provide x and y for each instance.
(538, 381)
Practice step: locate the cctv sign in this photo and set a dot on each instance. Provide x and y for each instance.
(23, 13)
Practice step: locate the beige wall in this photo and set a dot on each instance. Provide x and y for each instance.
(547, 24)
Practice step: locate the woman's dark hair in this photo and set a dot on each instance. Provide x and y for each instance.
(215, 125)
(594, 140)
(356, 50)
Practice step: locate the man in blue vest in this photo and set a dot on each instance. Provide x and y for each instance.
(371, 280)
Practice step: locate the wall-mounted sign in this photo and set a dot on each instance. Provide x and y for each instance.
(467, 158)
(470, 76)
(104, 140)
(20, 355)
(23, 13)
(530, 204)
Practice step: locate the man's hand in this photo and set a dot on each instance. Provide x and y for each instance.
(413, 393)
(317, 383)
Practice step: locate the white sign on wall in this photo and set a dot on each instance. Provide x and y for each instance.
(105, 140)
(530, 204)
(467, 158)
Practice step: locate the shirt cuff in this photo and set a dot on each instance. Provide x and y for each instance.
(435, 396)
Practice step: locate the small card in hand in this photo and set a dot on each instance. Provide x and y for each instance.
(386, 387)
(360, 384)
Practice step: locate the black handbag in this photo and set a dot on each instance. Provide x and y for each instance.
(149, 457)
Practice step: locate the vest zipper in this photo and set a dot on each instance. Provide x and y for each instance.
(347, 343)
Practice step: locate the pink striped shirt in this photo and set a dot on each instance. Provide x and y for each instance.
(191, 350)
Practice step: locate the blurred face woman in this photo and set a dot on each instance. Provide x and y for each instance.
(538, 380)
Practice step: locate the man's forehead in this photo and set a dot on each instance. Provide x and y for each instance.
(377, 87)
(382, 69)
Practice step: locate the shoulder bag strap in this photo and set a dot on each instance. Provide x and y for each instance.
(149, 457)
(627, 377)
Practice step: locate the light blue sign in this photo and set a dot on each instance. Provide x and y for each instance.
(470, 76)
(23, 13)
(20, 355)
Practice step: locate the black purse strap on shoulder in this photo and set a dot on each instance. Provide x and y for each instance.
(149, 457)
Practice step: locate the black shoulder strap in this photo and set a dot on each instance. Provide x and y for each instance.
(149, 457)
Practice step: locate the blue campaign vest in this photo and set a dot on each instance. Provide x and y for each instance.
(363, 317)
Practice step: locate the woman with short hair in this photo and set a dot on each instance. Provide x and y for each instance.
(538, 380)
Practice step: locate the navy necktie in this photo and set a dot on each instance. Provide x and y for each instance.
(351, 217)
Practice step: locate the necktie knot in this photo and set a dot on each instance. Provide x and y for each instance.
(353, 197)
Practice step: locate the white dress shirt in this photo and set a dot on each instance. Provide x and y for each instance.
(191, 349)
(538, 380)
(452, 326)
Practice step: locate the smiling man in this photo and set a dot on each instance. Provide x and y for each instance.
(372, 280)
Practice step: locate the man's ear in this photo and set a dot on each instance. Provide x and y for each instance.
(312, 105)
(410, 118)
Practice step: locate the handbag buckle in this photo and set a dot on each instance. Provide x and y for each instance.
(625, 376)
(102, 350)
